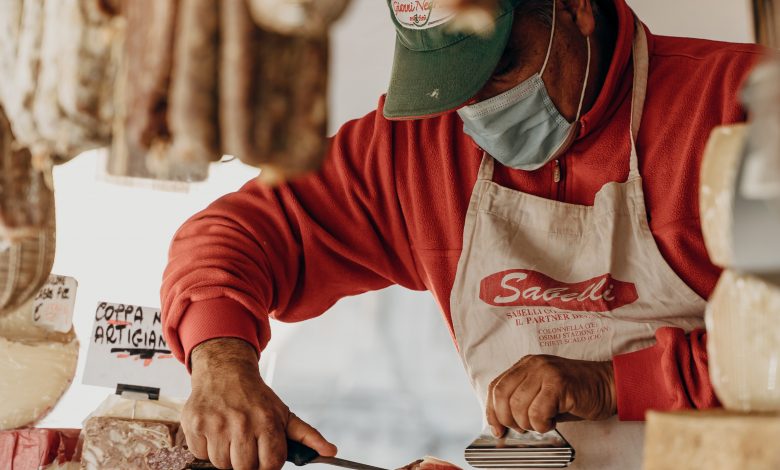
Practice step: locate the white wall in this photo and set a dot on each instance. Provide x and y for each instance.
(378, 374)
(723, 20)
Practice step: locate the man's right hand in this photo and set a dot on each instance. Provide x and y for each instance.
(233, 418)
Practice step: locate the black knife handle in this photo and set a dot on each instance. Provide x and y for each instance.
(299, 454)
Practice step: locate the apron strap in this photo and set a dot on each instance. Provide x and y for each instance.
(486, 168)
(641, 68)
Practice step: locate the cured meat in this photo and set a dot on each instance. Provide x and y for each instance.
(25, 264)
(10, 26)
(91, 64)
(297, 17)
(192, 114)
(73, 98)
(26, 201)
(430, 463)
(175, 458)
(273, 96)
(141, 93)
(39, 448)
(238, 67)
(24, 60)
(58, 71)
(166, 96)
(26, 223)
(120, 444)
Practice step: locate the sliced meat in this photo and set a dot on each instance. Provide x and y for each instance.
(175, 458)
(430, 463)
(120, 444)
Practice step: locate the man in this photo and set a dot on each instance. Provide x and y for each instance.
(541, 180)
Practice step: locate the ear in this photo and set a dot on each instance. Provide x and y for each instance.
(582, 14)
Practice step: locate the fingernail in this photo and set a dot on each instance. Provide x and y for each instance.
(496, 433)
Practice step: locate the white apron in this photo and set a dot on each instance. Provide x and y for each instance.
(538, 276)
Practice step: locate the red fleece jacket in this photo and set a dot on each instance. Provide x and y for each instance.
(388, 207)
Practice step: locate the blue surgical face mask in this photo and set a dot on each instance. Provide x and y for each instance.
(522, 128)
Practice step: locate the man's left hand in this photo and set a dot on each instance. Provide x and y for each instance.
(539, 391)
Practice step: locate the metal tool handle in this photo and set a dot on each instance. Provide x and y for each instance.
(300, 454)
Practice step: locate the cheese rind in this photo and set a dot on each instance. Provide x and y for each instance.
(19, 326)
(743, 327)
(718, 185)
(712, 439)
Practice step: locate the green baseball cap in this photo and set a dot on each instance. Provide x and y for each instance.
(436, 69)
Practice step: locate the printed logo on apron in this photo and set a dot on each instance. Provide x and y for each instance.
(576, 304)
(524, 287)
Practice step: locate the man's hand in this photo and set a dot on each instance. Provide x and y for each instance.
(539, 391)
(233, 418)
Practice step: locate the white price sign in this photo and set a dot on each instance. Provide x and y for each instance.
(53, 305)
(127, 347)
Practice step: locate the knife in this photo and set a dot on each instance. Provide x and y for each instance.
(300, 455)
(297, 454)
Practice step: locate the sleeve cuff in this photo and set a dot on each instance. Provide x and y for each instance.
(639, 383)
(216, 318)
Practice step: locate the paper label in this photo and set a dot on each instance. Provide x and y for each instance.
(127, 346)
(54, 304)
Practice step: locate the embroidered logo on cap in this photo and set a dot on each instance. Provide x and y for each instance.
(522, 287)
(420, 14)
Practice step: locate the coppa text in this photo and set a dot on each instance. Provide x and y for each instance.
(129, 326)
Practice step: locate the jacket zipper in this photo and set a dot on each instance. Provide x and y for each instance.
(558, 177)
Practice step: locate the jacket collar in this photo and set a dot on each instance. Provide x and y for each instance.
(618, 83)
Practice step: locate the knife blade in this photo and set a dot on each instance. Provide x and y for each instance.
(297, 454)
(300, 455)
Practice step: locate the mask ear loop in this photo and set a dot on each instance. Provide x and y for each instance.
(552, 35)
(585, 85)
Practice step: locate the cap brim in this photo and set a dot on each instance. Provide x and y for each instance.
(429, 83)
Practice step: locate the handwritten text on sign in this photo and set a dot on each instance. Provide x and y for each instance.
(53, 304)
(127, 346)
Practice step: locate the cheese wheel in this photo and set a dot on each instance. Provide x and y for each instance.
(718, 185)
(711, 439)
(33, 377)
(18, 325)
(743, 326)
